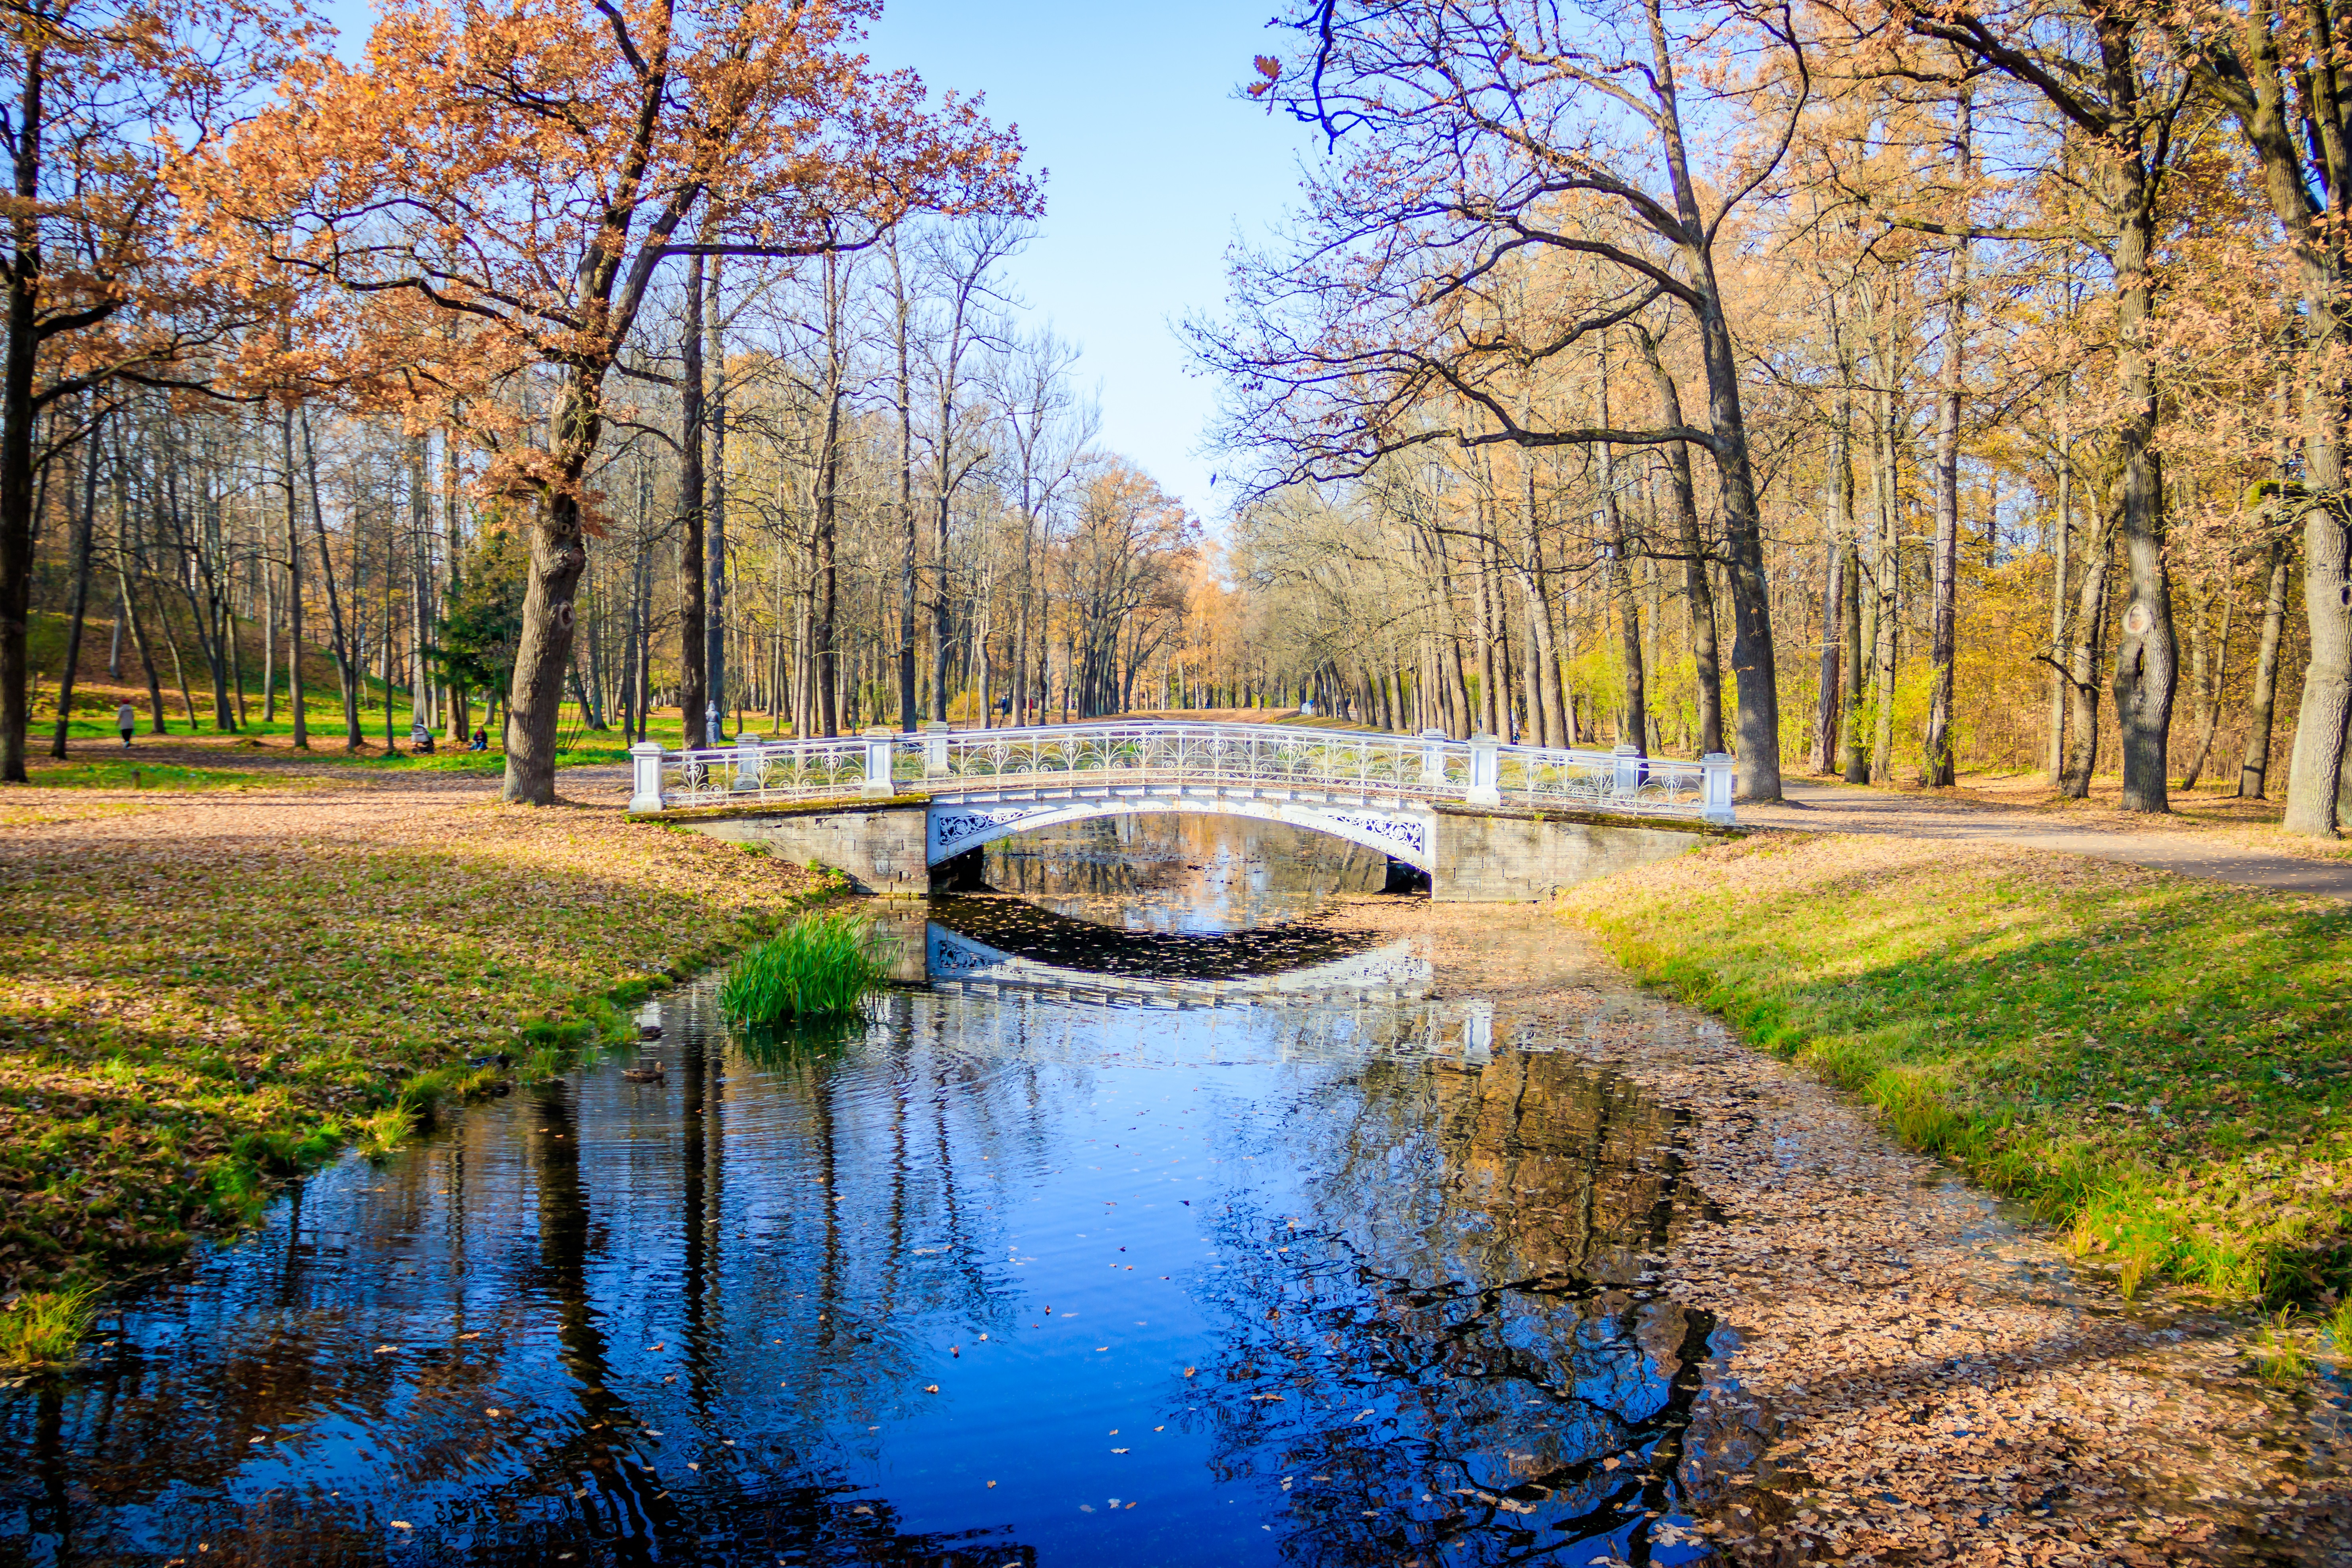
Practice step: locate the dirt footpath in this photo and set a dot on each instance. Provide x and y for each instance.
(1932, 1382)
(2223, 841)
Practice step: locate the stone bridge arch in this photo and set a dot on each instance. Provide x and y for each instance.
(958, 828)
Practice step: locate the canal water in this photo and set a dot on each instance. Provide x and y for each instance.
(1164, 1223)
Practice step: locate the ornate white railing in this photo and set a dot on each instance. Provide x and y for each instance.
(1481, 771)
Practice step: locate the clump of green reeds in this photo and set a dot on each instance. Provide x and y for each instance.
(379, 1132)
(45, 1327)
(820, 966)
(2280, 1352)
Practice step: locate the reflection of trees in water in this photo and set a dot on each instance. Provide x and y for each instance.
(1171, 870)
(1448, 1352)
(1466, 1267)
(705, 1206)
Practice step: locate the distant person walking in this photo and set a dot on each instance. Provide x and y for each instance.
(126, 719)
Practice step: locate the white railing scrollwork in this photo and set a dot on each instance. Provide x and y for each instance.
(880, 764)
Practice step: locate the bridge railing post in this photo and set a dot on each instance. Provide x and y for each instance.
(644, 776)
(1628, 780)
(935, 749)
(750, 765)
(1486, 772)
(1716, 776)
(880, 741)
(1433, 758)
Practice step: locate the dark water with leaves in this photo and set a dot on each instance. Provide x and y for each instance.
(1044, 1264)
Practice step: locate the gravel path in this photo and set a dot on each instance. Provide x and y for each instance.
(1833, 808)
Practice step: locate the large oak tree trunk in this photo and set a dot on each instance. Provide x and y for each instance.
(1757, 687)
(2083, 664)
(1698, 591)
(2146, 658)
(558, 553)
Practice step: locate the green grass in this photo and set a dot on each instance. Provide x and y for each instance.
(130, 774)
(2157, 1065)
(820, 966)
(45, 1327)
(326, 737)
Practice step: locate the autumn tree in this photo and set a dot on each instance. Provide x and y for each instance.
(1476, 139)
(527, 170)
(99, 98)
(2278, 71)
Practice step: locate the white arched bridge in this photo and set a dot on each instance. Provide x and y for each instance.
(1483, 819)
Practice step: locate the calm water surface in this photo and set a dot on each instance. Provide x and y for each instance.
(1045, 1264)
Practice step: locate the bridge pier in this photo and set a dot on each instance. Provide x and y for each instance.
(880, 848)
(1516, 856)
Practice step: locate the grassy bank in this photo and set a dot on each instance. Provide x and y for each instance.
(199, 1000)
(2162, 1066)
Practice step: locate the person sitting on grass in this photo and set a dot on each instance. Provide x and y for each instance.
(126, 719)
(481, 740)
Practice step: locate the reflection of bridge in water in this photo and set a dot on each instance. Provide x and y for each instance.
(1482, 819)
(1394, 971)
(1010, 944)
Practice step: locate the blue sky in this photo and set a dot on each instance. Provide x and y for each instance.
(1154, 165)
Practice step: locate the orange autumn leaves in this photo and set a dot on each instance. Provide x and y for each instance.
(492, 188)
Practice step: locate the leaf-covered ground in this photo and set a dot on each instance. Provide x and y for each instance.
(2160, 1063)
(1904, 1374)
(205, 990)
